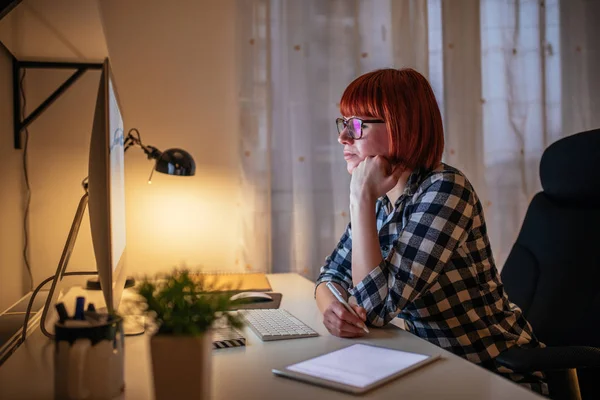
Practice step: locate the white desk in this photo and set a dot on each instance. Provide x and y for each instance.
(245, 372)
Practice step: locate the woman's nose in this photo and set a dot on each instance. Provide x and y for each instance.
(344, 137)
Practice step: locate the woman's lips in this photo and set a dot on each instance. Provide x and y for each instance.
(347, 155)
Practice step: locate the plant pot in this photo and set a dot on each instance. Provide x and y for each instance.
(181, 366)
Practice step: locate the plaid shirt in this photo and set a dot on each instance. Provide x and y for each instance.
(438, 273)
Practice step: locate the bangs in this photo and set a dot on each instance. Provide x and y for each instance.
(363, 97)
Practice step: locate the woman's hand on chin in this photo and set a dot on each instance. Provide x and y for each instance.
(372, 178)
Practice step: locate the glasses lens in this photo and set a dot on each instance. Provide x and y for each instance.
(355, 126)
(339, 122)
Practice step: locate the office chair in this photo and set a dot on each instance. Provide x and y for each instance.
(553, 270)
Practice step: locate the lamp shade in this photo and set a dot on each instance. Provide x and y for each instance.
(176, 162)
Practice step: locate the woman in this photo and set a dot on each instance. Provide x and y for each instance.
(424, 254)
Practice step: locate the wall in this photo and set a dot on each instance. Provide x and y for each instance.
(174, 68)
(12, 271)
(174, 72)
(59, 138)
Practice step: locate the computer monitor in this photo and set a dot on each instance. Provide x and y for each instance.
(105, 196)
(106, 188)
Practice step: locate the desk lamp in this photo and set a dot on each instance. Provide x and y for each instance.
(171, 161)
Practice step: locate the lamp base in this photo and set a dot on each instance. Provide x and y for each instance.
(94, 283)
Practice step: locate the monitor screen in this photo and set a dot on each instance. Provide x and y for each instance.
(106, 187)
(117, 178)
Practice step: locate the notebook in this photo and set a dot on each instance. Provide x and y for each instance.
(238, 282)
(357, 368)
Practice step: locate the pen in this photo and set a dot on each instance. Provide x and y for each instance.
(338, 296)
(79, 304)
(62, 312)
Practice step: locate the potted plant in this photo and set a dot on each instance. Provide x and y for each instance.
(184, 309)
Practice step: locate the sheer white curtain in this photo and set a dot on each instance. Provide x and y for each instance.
(580, 53)
(496, 67)
(521, 108)
(535, 69)
(296, 59)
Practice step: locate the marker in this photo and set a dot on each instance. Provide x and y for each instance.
(338, 296)
(79, 304)
(62, 312)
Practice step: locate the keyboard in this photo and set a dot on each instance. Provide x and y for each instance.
(276, 324)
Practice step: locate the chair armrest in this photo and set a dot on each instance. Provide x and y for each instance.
(556, 358)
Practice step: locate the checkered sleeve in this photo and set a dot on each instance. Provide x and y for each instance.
(439, 221)
(337, 266)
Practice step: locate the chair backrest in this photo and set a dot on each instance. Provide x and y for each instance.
(553, 270)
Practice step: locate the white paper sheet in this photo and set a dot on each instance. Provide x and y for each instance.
(358, 365)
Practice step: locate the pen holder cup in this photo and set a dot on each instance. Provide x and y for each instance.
(89, 360)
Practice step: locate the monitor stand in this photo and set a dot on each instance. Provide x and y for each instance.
(134, 325)
(134, 322)
(48, 312)
(94, 283)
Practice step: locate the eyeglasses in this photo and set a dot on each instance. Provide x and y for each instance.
(354, 125)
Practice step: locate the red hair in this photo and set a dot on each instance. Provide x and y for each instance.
(405, 101)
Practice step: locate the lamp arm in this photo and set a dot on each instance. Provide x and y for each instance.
(136, 140)
(132, 140)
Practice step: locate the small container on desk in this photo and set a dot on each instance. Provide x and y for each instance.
(89, 358)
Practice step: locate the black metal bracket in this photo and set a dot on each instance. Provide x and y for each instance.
(18, 66)
(6, 6)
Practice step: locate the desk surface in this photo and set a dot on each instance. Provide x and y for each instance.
(245, 372)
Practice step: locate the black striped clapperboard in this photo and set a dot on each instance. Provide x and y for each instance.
(228, 336)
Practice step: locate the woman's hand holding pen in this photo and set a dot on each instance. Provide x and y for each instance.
(340, 322)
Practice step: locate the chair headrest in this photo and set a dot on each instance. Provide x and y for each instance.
(569, 168)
